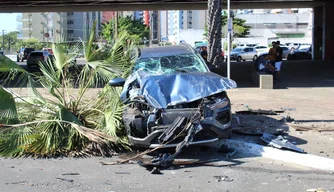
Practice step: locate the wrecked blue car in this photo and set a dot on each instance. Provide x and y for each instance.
(171, 91)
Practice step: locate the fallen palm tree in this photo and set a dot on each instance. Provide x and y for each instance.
(64, 121)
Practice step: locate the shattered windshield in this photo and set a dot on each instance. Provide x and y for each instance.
(170, 64)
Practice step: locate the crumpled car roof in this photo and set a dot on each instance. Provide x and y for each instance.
(161, 91)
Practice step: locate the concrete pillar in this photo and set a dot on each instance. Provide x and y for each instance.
(317, 31)
(328, 35)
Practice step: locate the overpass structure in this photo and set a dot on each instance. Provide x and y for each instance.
(323, 30)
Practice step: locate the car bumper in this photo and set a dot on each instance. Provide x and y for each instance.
(215, 127)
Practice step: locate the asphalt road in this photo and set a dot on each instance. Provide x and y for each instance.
(87, 174)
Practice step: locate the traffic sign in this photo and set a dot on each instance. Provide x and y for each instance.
(230, 25)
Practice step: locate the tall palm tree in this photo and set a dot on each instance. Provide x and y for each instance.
(214, 24)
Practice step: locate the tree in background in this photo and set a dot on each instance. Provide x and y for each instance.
(33, 43)
(214, 28)
(135, 28)
(11, 41)
(240, 29)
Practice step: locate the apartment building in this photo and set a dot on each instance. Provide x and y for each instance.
(48, 27)
(179, 20)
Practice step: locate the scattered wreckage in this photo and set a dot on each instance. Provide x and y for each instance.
(173, 100)
(171, 93)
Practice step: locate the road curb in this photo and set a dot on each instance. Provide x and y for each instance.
(307, 160)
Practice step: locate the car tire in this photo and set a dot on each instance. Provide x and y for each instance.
(239, 59)
(255, 57)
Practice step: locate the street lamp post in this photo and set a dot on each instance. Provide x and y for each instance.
(229, 38)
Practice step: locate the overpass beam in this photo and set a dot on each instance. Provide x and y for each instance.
(328, 32)
(317, 32)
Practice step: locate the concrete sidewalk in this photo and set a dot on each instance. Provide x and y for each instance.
(312, 107)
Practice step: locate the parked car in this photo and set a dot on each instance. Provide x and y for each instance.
(37, 56)
(261, 49)
(243, 54)
(303, 52)
(293, 46)
(48, 50)
(1, 52)
(246, 44)
(23, 53)
(171, 86)
(286, 52)
(200, 45)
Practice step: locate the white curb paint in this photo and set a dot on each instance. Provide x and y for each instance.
(12, 57)
(306, 160)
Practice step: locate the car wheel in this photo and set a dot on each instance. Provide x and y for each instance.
(255, 57)
(239, 59)
(244, 60)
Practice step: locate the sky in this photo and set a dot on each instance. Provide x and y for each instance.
(8, 22)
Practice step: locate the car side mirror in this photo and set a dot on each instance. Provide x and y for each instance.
(117, 82)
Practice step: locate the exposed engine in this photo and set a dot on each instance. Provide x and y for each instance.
(141, 119)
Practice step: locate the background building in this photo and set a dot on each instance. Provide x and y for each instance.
(48, 27)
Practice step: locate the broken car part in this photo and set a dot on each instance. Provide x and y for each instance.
(279, 142)
(166, 160)
(258, 112)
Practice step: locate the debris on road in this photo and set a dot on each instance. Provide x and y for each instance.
(122, 173)
(64, 179)
(17, 183)
(70, 174)
(256, 125)
(164, 161)
(259, 112)
(309, 128)
(279, 142)
(223, 178)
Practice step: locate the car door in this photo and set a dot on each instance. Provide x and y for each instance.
(246, 55)
(250, 53)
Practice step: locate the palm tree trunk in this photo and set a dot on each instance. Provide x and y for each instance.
(214, 23)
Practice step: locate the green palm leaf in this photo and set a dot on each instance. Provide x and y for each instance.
(8, 112)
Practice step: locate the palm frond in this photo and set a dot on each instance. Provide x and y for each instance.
(8, 112)
(12, 142)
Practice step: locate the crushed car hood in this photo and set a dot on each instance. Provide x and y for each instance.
(161, 91)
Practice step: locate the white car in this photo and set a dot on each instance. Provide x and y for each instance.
(261, 49)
